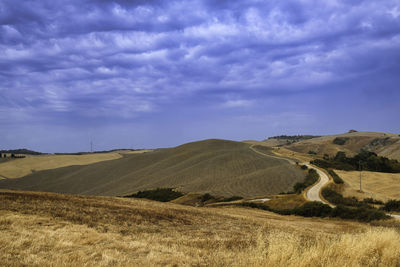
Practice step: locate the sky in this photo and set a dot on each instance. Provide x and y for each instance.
(146, 74)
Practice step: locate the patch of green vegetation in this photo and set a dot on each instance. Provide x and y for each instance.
(232, 198)
(312, 152)
(295, 138)
(318, 209)
(336, 177)
(311, 178)
(340, 140)
(392, 205)
(303, 167)
(159, 194)
(337, 199)
(367, 160)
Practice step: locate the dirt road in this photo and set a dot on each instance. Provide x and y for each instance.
(314, 193)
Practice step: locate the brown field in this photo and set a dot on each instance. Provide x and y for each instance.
(218, 167)
(378, 185)
(20, 167)
(44, 229)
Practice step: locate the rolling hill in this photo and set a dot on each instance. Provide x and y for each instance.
(218, 167)
(384, 144)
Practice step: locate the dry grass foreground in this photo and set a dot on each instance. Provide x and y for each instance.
(44, 229)
(378, 185)
(21, 167)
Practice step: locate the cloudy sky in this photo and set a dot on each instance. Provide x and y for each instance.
(138, 74)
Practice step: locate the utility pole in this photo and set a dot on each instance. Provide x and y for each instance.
(359, 166)
(91, 146)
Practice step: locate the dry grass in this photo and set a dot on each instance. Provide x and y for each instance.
(24, 166)
(49, 229)
(378, 185)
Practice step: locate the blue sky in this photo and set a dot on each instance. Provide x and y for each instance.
(138, 74)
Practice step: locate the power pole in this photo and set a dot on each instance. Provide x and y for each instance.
(91, 147)
(359, 166)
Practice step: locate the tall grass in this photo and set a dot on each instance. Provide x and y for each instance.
(61, 230)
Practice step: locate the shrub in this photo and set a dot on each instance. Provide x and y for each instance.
(206, 197)
(303, 167)
(311, 178)
(370, 200)
(337, 199)
(392, 205)
(370, 161)
(159, 194)
(313, 209)
(336, 178)
(360, 214)
(312, 152)
(232, 198)
(340, 140)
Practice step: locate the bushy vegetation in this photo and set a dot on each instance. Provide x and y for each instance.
(232, 198)
(311, 178)
(340, 140)
(21, 151)
(336, 177)
(337, 199)
(392, 205)
(311, 152)
(159, 194)
(295, 138)
(303, 167)
(367, 160)
(318, 209)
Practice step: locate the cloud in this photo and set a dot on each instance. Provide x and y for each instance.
(123, 60)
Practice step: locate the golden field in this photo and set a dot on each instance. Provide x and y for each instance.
(20, 167)
(378, 185)
(44, 229)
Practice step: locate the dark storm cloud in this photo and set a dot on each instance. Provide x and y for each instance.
(122, 59)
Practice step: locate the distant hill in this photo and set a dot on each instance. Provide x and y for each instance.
(383, 144)
(21, 151)
(218, 167)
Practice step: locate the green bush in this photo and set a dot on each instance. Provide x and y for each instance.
(340, 140)
(360, 214)
(370, 161)
(232, 198)
(206, 197)
(311, 178)
(313, 209)
(392, 205)
(336, 178)
(159, 194)
(370, 200)
(303, 167)
(337, 199)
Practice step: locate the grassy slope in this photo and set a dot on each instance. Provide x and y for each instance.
(381, 186)
(215, 166)
(356, 141)
(45, 229)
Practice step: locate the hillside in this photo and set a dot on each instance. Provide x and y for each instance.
(45, 229)
(218, 167)
(384, 144)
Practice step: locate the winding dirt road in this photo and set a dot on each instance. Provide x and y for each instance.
(314, 193)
